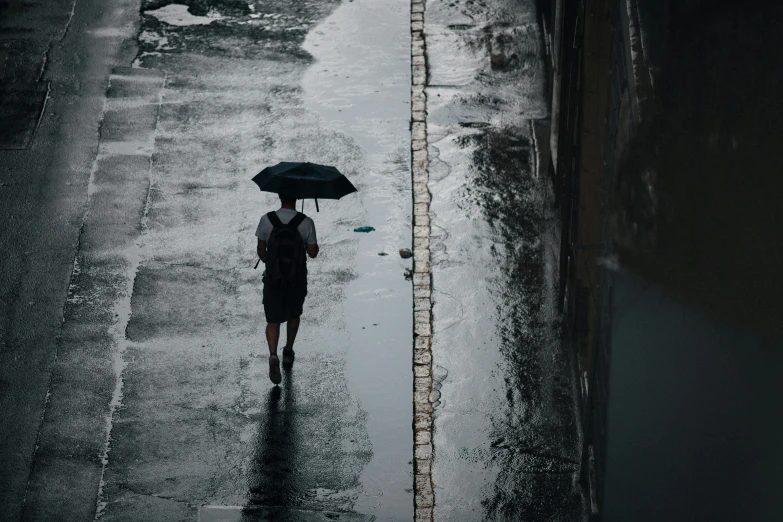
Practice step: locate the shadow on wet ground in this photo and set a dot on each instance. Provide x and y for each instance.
(271, 477)
(292, 438)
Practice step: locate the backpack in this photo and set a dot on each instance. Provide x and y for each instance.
(286, 265)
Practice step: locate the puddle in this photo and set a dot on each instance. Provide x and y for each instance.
(177, 14)
(161, 42)
(127, 148)
(360, 86)
(111, 32)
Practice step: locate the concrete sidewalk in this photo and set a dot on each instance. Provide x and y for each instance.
(504, 429)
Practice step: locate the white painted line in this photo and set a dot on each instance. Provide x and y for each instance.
(134, 255)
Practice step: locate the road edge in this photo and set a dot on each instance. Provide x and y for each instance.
(422, 276)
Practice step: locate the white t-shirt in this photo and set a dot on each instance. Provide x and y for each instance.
(306, 228)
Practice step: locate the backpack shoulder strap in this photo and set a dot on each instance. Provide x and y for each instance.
(276, 223)
(297, 220)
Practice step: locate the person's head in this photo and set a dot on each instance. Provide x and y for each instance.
(285, 199)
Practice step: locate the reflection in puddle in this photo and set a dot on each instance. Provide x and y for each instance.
(177, 14)
(359, 86)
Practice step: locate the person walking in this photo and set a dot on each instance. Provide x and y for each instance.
(284, 237)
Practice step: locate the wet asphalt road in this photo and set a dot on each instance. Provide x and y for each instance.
(42, 204)
(161, 342)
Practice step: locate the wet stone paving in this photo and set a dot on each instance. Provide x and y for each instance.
(430, 387)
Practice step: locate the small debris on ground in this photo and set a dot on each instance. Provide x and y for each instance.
(405, 253)
(497, 59)
(382, 254)
(363, 229)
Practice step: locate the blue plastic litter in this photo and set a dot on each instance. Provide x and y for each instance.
(363, 229)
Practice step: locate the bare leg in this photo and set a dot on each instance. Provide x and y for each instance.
(272, 336)
(291, 328)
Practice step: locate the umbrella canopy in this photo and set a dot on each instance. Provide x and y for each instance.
(304, 181)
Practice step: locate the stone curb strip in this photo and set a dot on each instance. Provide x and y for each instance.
(422, 292)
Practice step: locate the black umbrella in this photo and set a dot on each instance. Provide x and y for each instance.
(304, 180)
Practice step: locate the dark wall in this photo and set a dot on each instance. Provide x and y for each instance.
(693, 421)
(685, 397)
(692, 182)
(697, 195)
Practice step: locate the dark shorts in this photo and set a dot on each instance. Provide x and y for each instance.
(282, 305)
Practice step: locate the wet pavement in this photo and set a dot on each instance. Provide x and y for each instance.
(161, 372)
(148, 396)
(42, 204)
(245, 90)
(506, 442)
